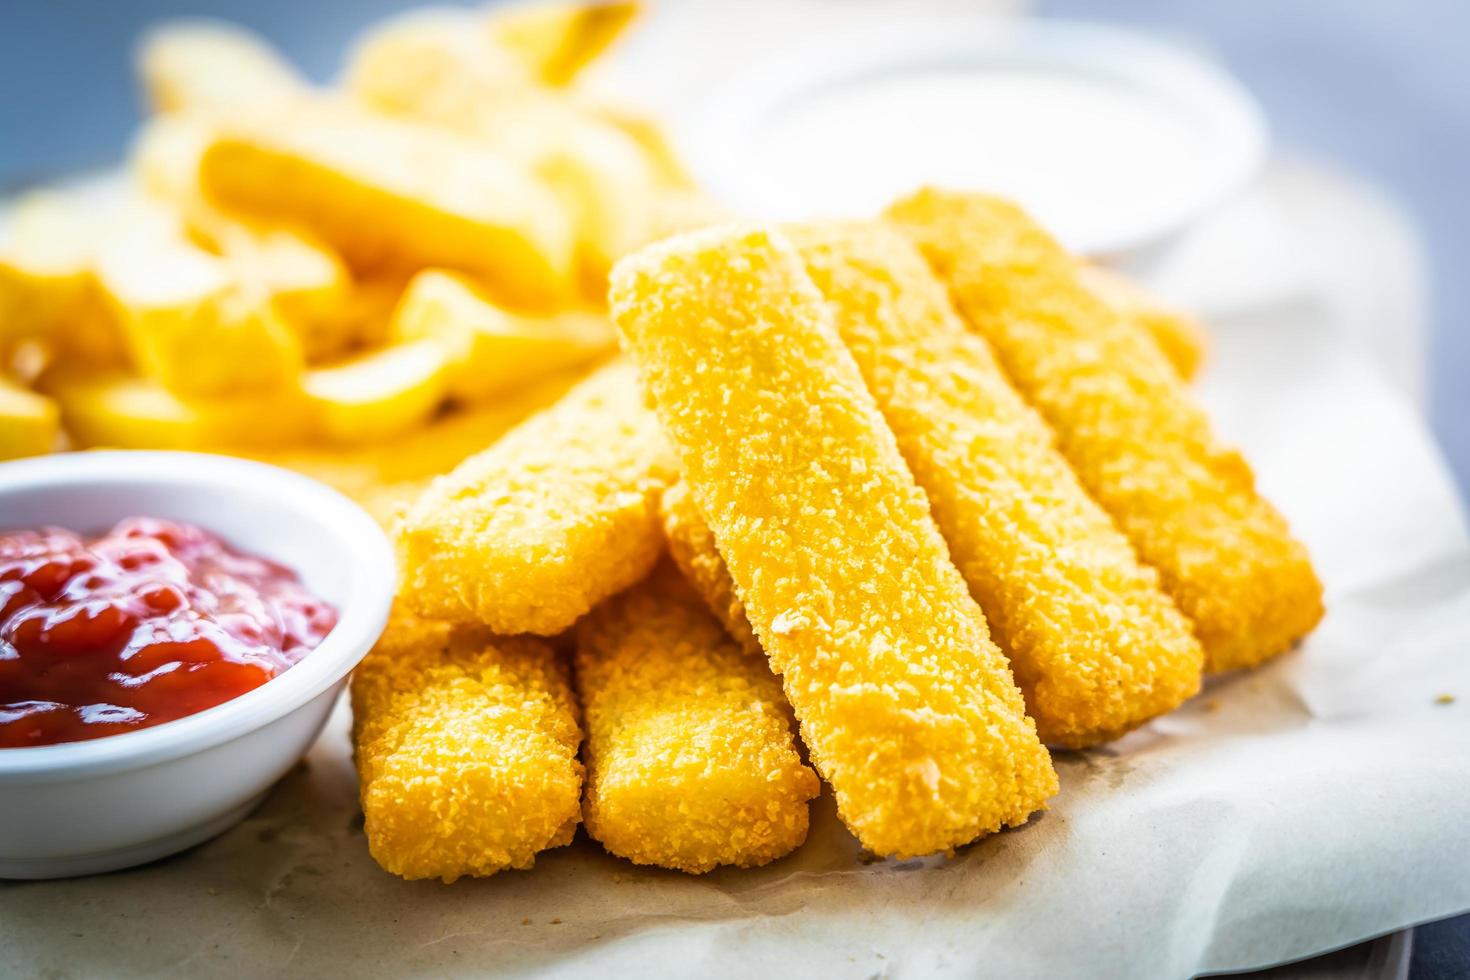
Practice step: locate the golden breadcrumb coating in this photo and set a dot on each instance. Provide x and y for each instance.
(1178, 335)
(561, 513)
(1095, 645)
(466, 750)
(690, 758)
(907, 707)
(1128, 426)
(692, 546)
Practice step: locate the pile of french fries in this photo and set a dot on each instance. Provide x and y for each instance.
(368, 281)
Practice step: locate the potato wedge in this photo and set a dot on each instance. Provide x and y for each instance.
(490, 350)
(192, 324)
(304, 281)
(30, 423)
(395, 195)
(213, 66)
(48, 286)
(438, 69)
(439, 64)
(557, 40)
(379, 394)
(118, 409)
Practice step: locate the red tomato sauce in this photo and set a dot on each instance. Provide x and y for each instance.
(150, 622)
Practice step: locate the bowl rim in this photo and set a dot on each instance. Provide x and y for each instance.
(1177, 74)
(365, 551)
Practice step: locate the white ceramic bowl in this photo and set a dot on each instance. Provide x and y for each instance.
(745, 144)
(84, 807)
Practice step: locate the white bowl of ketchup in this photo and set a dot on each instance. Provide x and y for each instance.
(82, 807)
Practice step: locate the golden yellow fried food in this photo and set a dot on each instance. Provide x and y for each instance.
(213, 66)
(444, 68)
(555, 517)
(191, 323)
(492, 350)
(111, 408)
(30, 423)
(557, 40)
(907, 707)
(1178, 335)
(466, 750)
(48, 283)
(378, 394)
(390, 194)
(303, 281)
(1127, 425)
(387, 475)
(690, 758)
(692, 547)
(1095, 645)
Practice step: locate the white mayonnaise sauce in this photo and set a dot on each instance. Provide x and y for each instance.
(1091, 157)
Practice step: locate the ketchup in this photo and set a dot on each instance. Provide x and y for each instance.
(150, 622)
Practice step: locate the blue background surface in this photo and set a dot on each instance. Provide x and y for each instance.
(1376, 86)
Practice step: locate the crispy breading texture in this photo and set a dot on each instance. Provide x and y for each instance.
(1095, 645)
(690, 758)
(907, 707)
(555, 517)
(1128, 426)
(392, 195)
(692, 546)
(466, 750)
(1178, 335)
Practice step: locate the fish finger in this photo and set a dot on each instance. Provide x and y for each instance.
(691, 762)
(1126, 423)
(908, 709)
(466, 750)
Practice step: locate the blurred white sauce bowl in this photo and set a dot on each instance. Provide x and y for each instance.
(1116, 141)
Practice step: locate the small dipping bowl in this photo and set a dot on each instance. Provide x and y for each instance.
(112, 802)
(1116, 141)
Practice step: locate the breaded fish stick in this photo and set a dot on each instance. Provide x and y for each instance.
(690, 758)
(908, 709)
(558, 515)
(692, 546)
(1127, 425)
(1176, 333)
(466, 749)
(1095, 645)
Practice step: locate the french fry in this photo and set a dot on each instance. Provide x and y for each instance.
(466, 750)
(440, 69)
(490, 349)
(303, 280)
(557, 40)
(690, 758)
(907, 707)
(392, 196)
(1178, 335)
(378, 394)
(192, 324)
(48, 283)
(385, 476)
(30, 423)
(213, 66)
(1125, 421)
(113, 408)
(555, 517)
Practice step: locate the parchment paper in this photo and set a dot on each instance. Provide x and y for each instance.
(1316, 802)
